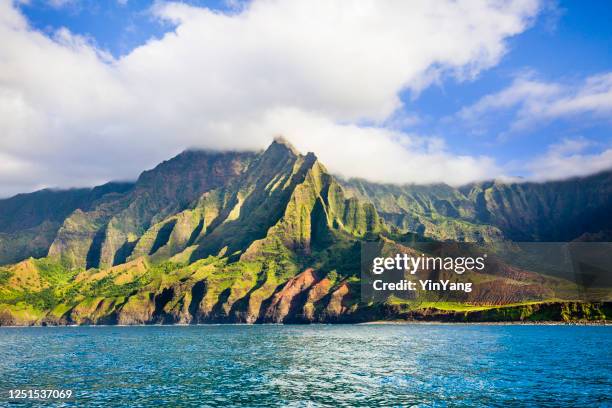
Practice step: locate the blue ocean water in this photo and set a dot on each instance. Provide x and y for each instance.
(317, 365)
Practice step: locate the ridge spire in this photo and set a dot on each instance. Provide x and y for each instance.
(282, 141)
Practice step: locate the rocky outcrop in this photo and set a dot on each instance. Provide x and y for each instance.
(290, 299)
(138, 309)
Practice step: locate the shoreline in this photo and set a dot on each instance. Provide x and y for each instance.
(370, 323)
(510, 323)
(546, 313)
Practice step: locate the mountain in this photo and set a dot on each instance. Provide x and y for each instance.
(558, 211)
(255, 237)
(105, 234)
(29, 222)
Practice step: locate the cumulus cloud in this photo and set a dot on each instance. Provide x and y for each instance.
(71, 114)
(377, 154)
(569, 158)
(534, 101)
(59, 3)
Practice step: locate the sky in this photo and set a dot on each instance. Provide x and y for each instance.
(396, 92)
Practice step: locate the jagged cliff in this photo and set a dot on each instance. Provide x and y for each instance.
(557, 211)
(229, 242)
(227, 237)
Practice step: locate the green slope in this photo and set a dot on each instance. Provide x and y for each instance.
(244, 237)
(29, 222)
(558, 211)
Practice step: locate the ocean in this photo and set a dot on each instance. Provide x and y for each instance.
(311, 365)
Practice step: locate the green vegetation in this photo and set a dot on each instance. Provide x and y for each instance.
(5, 274)
(45, 299)
(107, 288)
(491, 211)
(269, 237)
(52, 272)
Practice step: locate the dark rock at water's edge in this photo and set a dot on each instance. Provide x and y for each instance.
(551, 312)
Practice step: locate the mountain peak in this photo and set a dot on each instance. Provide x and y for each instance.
(282, 141)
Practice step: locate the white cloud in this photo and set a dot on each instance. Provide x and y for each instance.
(373, 153)
(535, 102)
(59, 3)
(309, 69)
(569, 158)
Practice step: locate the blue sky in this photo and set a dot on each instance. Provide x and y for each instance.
(545, 100)
(567, 43)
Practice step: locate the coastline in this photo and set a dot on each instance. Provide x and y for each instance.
(367, 323)
(511, 323)
(545, 313)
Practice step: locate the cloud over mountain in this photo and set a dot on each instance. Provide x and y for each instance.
(72, 114)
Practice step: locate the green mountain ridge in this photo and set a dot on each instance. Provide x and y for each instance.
(558, 211)
(253, 237)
